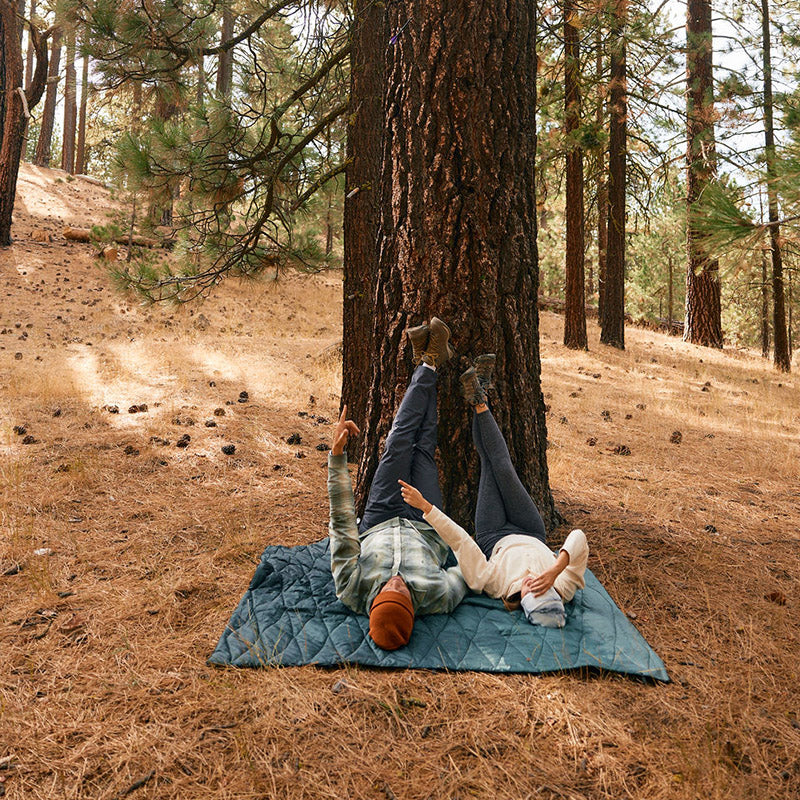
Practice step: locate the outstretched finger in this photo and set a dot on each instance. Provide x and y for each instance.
(343, 415)
(403, 483)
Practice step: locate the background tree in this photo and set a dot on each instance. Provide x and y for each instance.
(80, 147)
(600, 171)
(225, 58)
(782, 356)
(458, 229)
(15, 104)
(45, 141)
(69, 130)
(703, 310)
(575, 304)
(612, 323)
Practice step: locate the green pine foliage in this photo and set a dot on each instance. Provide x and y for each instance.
(229, 180)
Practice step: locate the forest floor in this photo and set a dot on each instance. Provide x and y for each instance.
(122, 556)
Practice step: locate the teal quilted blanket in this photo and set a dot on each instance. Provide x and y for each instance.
(290, 616)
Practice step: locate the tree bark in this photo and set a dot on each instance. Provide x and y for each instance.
(602, 188)
(200, 97)
(29, 54)
(225, 58)
(574, 292)
(70, 108)
(764, 306)
(80, 151)
(669, 292)
(780, 351)
(361, 206)
(44, 142)
(13, 121)
(703, 305)
(458, 231)
(612, 322)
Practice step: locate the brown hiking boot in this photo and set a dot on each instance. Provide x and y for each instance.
(419, 341)
(484, 365)
(438, 349)
(471, 387)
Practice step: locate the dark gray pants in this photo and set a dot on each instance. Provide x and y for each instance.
(504, 507)
(409, 454)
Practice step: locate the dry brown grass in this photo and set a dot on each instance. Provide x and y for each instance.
(103, 681)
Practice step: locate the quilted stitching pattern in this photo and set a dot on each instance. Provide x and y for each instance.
(290, 616)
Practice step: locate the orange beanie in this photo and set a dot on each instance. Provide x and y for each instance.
(391, 619)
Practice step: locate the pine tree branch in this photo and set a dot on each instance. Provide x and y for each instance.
(249, 30)
(318, 184)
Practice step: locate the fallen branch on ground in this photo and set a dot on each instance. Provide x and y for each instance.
(85, 235)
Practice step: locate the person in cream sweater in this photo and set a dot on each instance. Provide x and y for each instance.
(508, 558)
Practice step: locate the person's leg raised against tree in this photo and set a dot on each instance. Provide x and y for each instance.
(520, 510)
(424, 472)
(412, 420)
(490, 512)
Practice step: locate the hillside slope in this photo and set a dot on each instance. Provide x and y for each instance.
(122, 555)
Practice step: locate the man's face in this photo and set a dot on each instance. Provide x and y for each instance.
(397, 584)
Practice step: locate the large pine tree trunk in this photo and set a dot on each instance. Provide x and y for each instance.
(781, 354)
(575, 303)
(70, 108)
(13, 121)
(361, 205)
(703, 324)
(44, 142)
(458, 230)
(612, 322)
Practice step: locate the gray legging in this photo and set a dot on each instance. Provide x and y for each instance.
(504, 507)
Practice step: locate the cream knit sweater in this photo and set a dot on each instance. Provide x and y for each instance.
(513, 558)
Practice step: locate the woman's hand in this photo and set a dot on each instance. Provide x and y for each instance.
(414, 498)
(345, 428)
(540, 584)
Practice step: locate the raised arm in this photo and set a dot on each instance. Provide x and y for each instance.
(475, 568)
(342, 527)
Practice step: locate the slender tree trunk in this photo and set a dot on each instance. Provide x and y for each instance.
(13, 120)
(602, 188)
(225, 59)
(28, 62)
(30, 54)
(70, 108)
(458, 230)
(703, 305)
(764, 306)
(781, 354)
(201, 80)
(669, 294)
(44, 142)
(789, 306)
(602, 237)
(575, 302)
(361, 206)
(612, 323)
(328, 200)
(80, 151)
(168, 98)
